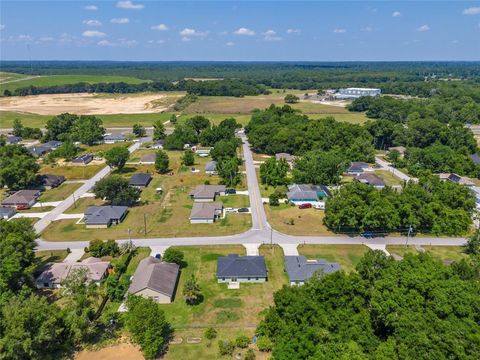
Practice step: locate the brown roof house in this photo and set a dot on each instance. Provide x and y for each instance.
(287, 157)
(457, 179)
(54, 274)
(22, 198)
(207, 193)
(370, 179)
(206, 213)
(156, 280)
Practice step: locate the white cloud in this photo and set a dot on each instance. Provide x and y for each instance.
(271, 35)
(230, 43)
(127, 4)
(396, 14)
(472, 11)
(93, 33)
(92, 22)
(423, 28)
(293, 31)
(368, 29)
(119, 43)
(156, 41)
(90, 8)
(339, 31)
(2, 27)
(19, 38)
(160, 27)
(120, 20)
(46, 39)
(187, 32)
(244, 31)
(185, 39)
(105, 43)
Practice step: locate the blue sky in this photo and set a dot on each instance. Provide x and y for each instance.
(244, 31)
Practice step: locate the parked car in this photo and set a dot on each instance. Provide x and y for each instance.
(23, 207)
(230, 191)
(243, 210)
(158, 256)
(230, 210)
(305, 206)
(319, 206)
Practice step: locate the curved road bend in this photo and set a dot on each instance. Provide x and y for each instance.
(261, 232)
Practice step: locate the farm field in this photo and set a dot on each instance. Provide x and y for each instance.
(347, 256)
(52, 80)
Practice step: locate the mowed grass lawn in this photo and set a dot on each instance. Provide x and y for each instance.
(46, 257)
(444, 253)
(59, 193)
(220, 306)
(156, 215)
(52, 80)
(71, 172)
(347, 256)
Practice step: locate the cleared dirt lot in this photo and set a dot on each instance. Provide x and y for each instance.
(115, 352)
(89, 104)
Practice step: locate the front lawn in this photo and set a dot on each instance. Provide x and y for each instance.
(444, 253)
(59, 193)
(46, 257)
(347, 256)
(71, 172)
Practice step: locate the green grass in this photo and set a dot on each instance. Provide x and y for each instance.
(348, 256)
(46, 257)
(444, 253)
(235, 201)
(142, 253)
(72, 172)
(81, 205)
(52, 80)
(59, 193)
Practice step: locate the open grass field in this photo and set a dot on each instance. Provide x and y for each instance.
(81, 205)
(389, 178)
(52, 80)
(85, 149)
(157, 215)
(347, 256)
(223, 307)
(71, 172)
(305, 221)
(59, 193)
(444, 253)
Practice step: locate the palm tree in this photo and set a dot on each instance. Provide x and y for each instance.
(191, 291)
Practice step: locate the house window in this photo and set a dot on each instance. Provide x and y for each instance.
(46, 284)
(248, 278)
(256, 278)
(223, 279)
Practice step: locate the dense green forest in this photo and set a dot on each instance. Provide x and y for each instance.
(417, 308)
(412, 78)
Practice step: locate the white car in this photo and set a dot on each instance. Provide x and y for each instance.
(230, 210)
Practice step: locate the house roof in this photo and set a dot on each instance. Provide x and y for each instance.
(38, 150)
(52, 144)
(85, 158)
(207, 191)
(52, 180)
(7, 211)
(100, 215)
(140, 179)
(211, 166)
(205, 211)
(306, 191)
(114, 136)
(370, 179)
(285, 156)
(22, 197)
(57, 272)
(12, 139)
(156, 275)
(400, 149)
(233, 265)
(475, 158)
(462, 180)
(300, 269)
(358, 166)
(148, 158)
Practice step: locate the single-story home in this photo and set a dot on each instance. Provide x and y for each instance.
(114, 138)
(400, 149)
(205, 213)
(358, 167)
(22, 198)
(52, 181)
(211, 168)
(235, 268)
(6, 212)
(140, 180)
(475, 158)
(457, 179)
(53, 144)
(201, 151)
(156, 280)
(83, 159)
(158, 144)
(370, 179)
(299, 269)
(148, 159)
(304, 193)
(54, 274)
(206, 193)
(289, 158)
(104, 216)
(38, 151)
(12, 139)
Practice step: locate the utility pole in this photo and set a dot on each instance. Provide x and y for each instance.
(408, 234)
(74, 202)
(145, 223)
(129, 234)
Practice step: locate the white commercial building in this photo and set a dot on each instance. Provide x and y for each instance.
(354, 93)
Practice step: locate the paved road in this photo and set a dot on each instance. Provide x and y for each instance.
(41, 225)
(386, 166)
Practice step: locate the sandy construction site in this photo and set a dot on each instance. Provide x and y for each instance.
(87, 104)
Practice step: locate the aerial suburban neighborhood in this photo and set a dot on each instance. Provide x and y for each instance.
(219, 186)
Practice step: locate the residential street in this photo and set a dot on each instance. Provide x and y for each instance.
(387, 167)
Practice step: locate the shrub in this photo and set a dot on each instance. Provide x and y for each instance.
(264, 344)
(242, 341)
(174, 256)
(210, 333)
(249, 355)
(225, 347)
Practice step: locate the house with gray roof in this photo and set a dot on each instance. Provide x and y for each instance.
(6, 212)
(211, 167)
(103, 216)
(299, 269)
(206, 212)
(83, 159)
(207, 193)
(475, 158)
(158, 144)
(53, 276)
(148, 159)
(22, 198)
(38, 151)
(306, 193)
(140, 180)
(156, 280)
(457, 179)
(114, 138)
(235, 268)
(52, 181)
(370, 179)
(12, 139)
(53, 144)
(357, 167)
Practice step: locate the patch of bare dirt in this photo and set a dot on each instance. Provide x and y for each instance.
(123, 351)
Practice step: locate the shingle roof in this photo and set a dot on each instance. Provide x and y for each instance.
(241, 266)
(84, 159)
(370, 179)
(156, 275)
(140, 179)
(475, 158)
(52, 144)
(114, 137)
(211, 166)
(57, 272)
(286, 156)
(11, 139)
(22, 197)
(148, 158)
(204, 210)
(300, 269)
(7, 211)
(38, 150)
(99, 215)
(358, 166)
(52, 180)
(306, 191)
(207, 191)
